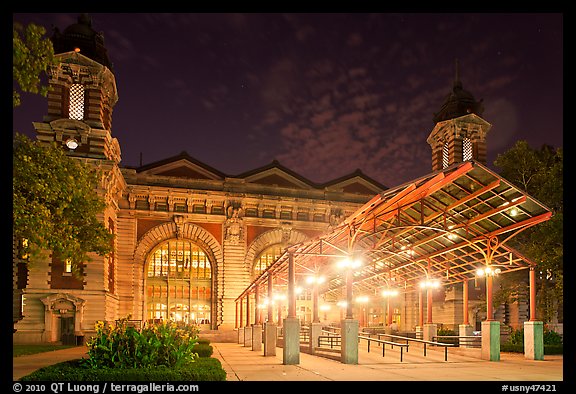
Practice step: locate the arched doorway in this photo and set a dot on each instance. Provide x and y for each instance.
(179, 283)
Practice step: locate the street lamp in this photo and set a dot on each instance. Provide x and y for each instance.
(489, 274)
(488, 271)
(388, 293)
(430, 284)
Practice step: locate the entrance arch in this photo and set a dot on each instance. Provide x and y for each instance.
(63, 315)
(201, 247)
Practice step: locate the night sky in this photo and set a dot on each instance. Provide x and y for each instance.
(324, 94)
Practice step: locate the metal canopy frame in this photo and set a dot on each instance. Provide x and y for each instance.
(442, 226)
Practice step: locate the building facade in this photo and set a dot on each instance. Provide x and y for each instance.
(189, 238)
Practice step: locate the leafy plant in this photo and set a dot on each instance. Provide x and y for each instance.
(156, 344)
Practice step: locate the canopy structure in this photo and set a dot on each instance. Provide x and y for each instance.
(444, 226)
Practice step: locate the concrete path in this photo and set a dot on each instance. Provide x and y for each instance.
(243, 364)
(25, 365)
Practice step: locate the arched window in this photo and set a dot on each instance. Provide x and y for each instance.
(179, 279)
(76, 106)
(267, 257)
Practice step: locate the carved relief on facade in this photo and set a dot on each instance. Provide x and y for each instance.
(234, 224)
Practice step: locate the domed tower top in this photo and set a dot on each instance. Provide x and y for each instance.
(82, 94)
(82, 37)
(458, 102)
(459, 132)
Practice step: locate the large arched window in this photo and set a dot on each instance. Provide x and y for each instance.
(265, 258)
(179, 281)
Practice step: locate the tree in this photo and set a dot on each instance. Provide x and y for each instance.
(55, 199)
(539, 173)
(32, 54)
(55, 203)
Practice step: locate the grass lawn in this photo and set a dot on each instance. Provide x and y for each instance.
(22, 350)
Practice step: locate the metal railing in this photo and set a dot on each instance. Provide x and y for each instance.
(474, 341)
(407, 339)
(333, 340)
(384, 343)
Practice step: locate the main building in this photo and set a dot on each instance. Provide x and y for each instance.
(188, 238)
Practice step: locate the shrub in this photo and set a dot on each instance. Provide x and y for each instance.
(203, 350)
(445, 331)
(122, 346)
(203, 369)
(551, 337)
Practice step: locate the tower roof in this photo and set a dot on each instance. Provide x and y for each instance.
(81, 35)
(458, 102)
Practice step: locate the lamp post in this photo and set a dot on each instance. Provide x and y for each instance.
(489, 273)
(490, 327)
(430, 329)
(389, 293)
(315, 281)
(349, 326)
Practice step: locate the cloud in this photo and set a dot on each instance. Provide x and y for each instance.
(355, 39)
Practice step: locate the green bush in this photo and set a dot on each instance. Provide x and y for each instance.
(203, 369)
(203, 350)
(551, 337)
(122, 346)
(445, 331)
(519, 348)
(204, 341)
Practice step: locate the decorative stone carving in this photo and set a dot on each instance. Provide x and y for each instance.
(234, 225)
(179, 221)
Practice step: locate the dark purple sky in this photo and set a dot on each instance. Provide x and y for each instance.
(324, 94)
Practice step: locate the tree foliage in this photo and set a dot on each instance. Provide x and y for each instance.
(55, 200)
(55, 203)
(539, 173)
(32, 54)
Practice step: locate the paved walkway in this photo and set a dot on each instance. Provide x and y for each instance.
(243, 364)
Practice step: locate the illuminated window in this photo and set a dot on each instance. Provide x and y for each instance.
(76, 107)
(445, 159)
(466, 149)
(23, 246)
(179, 278)
(68, 266)
(267, 257)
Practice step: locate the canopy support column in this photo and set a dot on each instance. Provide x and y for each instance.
(270, 330)
(291, 349)
(257, 328)
(533, 329)
(465, 329)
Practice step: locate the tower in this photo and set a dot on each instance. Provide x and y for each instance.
(82, 96)
(460, 132)
(61, 306)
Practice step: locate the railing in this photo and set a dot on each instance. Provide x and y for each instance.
(333, 340)
(304, 334)
(474, 341)
(384, 343)
(407, 339)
